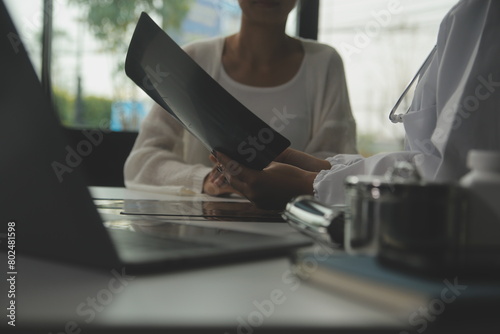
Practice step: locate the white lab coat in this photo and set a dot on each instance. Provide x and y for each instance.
(456, 106)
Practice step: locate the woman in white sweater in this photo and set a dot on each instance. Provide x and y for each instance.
(297, 86)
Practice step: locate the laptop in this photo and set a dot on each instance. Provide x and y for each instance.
(55, 217)
(177, 83)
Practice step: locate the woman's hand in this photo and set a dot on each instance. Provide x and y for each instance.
(270, 188)
(215, 184)
(302, 160)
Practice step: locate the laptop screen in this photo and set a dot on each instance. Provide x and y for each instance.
(42, 190)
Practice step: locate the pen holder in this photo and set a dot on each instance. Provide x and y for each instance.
(361, 227)
(365, 197)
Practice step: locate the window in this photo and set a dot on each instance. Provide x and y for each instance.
(382, 43)
(90, 40)
(28, 18)
(89, 44)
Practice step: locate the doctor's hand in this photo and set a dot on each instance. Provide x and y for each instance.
(302, 160)
(215, 184)
(271, 188)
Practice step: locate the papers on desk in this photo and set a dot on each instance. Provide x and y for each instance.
(163, 189)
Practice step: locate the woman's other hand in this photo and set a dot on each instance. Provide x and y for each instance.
(215, 184)
(270, 188)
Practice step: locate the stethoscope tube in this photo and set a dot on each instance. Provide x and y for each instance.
(398, 118)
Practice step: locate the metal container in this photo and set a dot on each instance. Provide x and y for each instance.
(407, 222)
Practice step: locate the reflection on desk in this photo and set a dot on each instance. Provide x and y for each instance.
(205, 210)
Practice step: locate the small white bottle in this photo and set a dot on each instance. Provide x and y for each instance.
(483, 186)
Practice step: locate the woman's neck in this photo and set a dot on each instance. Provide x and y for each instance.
(260, 44)
(262, 55)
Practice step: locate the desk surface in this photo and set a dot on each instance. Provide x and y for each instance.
(233, 298)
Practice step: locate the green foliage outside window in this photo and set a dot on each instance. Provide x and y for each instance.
(97, 109)
(111, 22)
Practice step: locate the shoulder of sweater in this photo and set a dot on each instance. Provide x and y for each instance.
(207, 53)
(204, 48)
(322, 60)
(319, 51)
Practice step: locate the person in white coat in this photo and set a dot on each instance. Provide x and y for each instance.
(296, 86)
(456, 108)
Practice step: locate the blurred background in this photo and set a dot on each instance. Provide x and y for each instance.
(382, 43)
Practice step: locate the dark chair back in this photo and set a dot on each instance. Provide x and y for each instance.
(100, 154)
